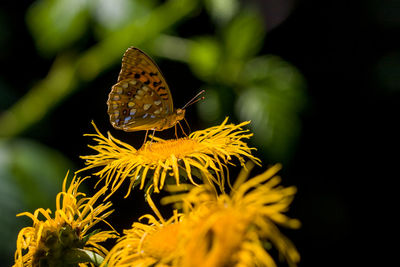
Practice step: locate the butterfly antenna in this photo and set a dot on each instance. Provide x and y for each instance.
(195, 99)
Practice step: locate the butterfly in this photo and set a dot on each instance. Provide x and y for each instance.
(141, 99)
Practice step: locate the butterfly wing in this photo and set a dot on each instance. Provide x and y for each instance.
(134, 106)
(141, 99)
(138, 65)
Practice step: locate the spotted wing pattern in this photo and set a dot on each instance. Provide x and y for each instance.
(141, 99)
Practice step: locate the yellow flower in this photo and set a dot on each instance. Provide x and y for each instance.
(214, 231)
(231, 230)
(204, 154)
(147, 244)
(66, 237)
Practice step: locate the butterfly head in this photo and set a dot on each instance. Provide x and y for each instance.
(180, 114)
(172, 119)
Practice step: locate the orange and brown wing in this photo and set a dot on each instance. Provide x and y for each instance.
(141, 99)
(139, 66)
(134, 106)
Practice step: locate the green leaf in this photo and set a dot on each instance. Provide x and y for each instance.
(279, 76)
(272, 97)
(222, 10)
(111, 16)
(244, 36)
(74, 256)
(56, 24)
(204, 57)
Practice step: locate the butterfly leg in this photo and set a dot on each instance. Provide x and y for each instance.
(183, 131)
(145, 137)
(190, 130)
(152, 135)
(176, 132)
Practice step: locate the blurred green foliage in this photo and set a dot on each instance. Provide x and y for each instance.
(59, 25)
(387, 72)
(87, 38)
(264, 89)
(272, 97)
(30, 177)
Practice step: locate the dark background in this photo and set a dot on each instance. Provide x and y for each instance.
(348, 53)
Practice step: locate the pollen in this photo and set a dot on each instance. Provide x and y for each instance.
(162, 151)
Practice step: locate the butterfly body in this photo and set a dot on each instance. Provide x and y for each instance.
(141, 99)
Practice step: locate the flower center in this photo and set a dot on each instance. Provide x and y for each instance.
(163, 242)
(163, 150)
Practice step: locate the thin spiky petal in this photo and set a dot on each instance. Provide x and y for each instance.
(51, 236)
(204, 154)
